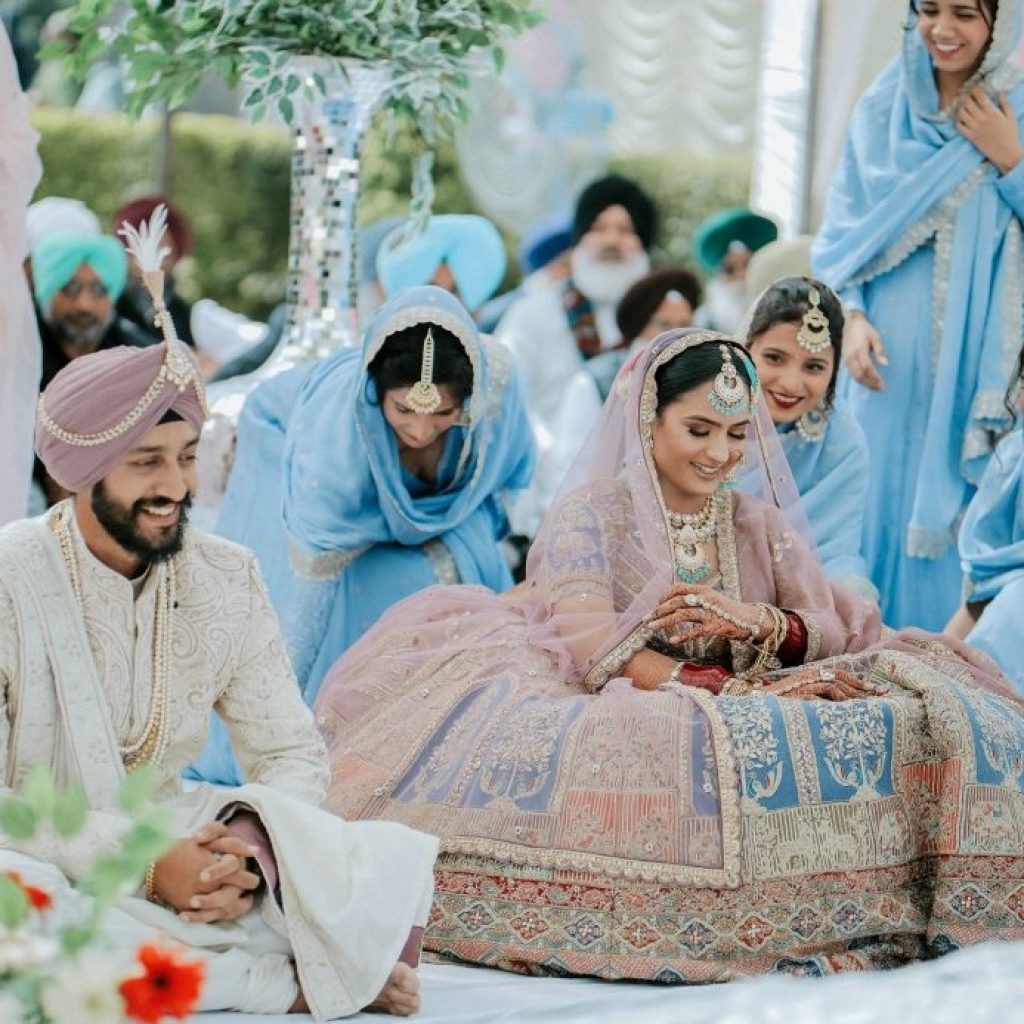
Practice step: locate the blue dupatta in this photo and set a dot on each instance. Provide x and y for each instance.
(341, 529)
(908, 178)
(832, 478)
(992, 535)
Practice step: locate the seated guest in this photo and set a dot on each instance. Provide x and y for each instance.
(724, 244)
(680, 752)
(121, 631)
(545, 255)
(460, 252)
(77, 278)
(992, 554)
(366, 476)
(795, 337)
(664, 300)
(553, 331)
(134, 303)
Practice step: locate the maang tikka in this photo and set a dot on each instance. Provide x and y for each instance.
(814, 334)
(728, 395)
(423, 397)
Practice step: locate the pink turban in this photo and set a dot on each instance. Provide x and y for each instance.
(100, 406)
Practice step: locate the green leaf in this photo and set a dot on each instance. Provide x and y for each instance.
(18, 819)
(70, 810)
(39, 792)
(138, 788)
(14, 905)
(74, 939)
(286, 109)
(254, 98)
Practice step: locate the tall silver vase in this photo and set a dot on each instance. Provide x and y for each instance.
(323, 248)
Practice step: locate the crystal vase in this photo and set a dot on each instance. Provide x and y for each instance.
(329, 130)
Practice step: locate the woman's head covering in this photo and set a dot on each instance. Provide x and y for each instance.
(343, 480)
(641, 302)
(57, 257)
(615, 190)
(470, 245)
(100, 406)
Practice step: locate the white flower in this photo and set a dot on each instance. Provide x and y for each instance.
(84, 991)
(21, 951)
(10, 1009)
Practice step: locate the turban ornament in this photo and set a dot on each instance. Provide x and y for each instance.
(83, 428)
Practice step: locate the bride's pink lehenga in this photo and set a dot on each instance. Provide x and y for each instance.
(592, 828)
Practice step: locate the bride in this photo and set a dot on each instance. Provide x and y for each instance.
(681, 753)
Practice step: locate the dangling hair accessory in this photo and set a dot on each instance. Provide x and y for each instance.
(814, 333)
(423, 397)
(144, 243)
(729, 394)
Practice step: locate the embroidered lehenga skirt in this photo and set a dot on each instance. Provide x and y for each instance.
(674, 836)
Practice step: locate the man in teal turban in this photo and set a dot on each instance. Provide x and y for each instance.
(77, 279)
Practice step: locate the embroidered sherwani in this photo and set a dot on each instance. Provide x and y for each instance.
(75, 676)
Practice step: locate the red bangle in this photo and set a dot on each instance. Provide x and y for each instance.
(704, 677)
(793, 649)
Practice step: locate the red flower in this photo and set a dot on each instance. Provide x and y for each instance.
(168, 988)
(39, 898)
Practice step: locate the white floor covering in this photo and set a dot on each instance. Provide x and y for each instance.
(975, 986)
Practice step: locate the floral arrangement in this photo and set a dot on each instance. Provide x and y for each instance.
(167, 47)
(58, 971)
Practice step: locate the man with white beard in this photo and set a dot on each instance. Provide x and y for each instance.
(553, 331)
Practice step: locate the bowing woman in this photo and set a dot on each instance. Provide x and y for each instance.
(922, 240)
(794, 336)
(364, 477)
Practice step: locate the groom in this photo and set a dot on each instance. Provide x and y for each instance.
(121, 630)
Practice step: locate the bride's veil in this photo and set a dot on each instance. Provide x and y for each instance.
(602, 559)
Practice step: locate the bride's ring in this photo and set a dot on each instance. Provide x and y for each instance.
(692, 600)
(826, 674)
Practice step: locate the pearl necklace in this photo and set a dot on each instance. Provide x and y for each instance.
(690, 531)
(152, 743)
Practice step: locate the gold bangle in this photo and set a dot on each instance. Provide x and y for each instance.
(149, 884)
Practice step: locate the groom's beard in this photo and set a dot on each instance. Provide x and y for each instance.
(606, 280)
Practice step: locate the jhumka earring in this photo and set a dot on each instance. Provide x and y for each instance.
(812, 425)
(728, 395)
(423, 397)
(814, 334)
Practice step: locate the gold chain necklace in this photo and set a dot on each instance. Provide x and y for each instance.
(152, 743)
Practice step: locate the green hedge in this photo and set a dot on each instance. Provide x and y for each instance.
(231, 179)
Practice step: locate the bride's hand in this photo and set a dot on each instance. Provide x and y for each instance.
(707, 613)
(820, 682)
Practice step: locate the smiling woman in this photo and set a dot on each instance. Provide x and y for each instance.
(795, 336)
(922, 241)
